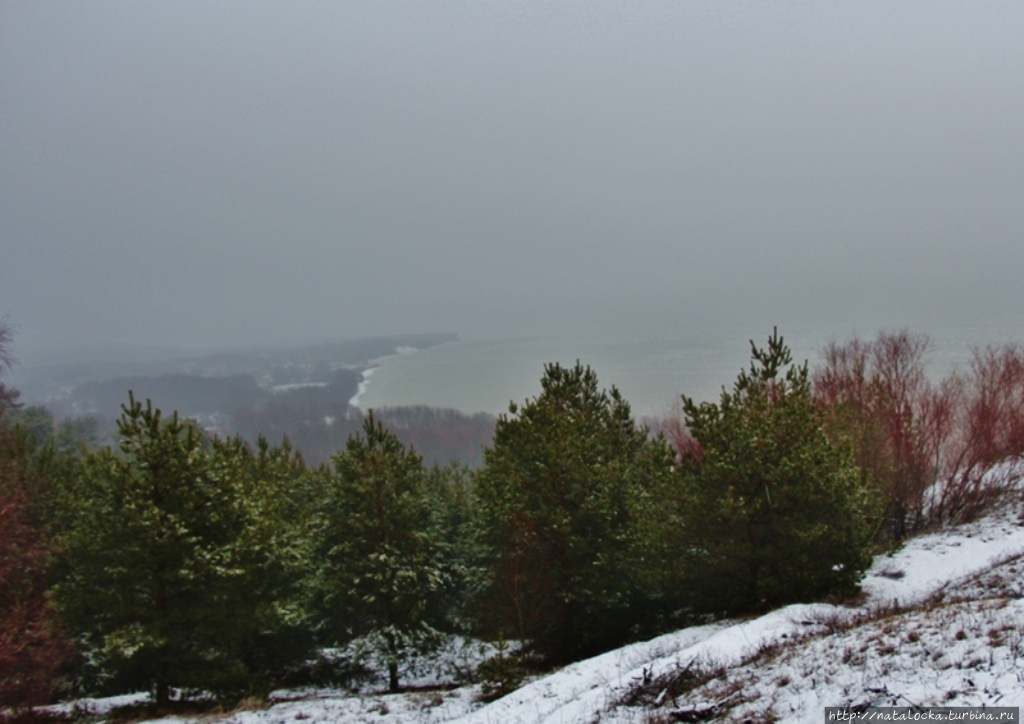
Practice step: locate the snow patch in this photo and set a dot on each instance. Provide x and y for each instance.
(277, 389)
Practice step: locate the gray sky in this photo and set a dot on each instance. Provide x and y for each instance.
(204, 174)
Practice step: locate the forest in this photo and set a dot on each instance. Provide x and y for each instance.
(192, 564)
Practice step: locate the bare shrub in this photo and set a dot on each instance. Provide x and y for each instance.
(32, 646)
(881, 396)
(978, 462)
(656, 691)
(8, 396)
(683, 442)
(937, 449)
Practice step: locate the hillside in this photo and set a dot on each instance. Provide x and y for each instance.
(941, 623)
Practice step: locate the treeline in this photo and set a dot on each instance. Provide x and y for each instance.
(308, 405)
(318, 421)
(299, 392)
(180, 561)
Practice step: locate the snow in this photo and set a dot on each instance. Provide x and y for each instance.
(364, 383)
(421, 707)
(291, 387)
(814, 673)
(942, 623)
(99, 707)
(927, 563)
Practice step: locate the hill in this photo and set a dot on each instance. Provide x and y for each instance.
(940, 624)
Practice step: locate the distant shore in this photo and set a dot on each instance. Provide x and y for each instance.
(373, 365)
(485, 375)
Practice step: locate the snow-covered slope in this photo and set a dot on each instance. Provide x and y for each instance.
(942, 623)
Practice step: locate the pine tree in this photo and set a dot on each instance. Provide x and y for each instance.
(775, 509)
(571, 494)
(455, 520)
(381, 578)
(275, 497)
(166, 561)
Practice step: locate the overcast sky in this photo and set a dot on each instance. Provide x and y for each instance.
(204, 174)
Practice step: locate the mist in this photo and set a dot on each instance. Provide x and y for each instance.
(201, 175)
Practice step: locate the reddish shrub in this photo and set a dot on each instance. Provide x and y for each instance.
(987, 434)
(31, 646)
(931, 446)
(883, 398)
(674, 429)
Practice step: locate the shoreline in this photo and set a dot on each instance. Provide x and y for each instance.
(371, 366)
(364, 383)
(483, 376)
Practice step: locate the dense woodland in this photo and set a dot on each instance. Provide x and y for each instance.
(181, 562)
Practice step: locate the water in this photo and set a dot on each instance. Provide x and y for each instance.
(484, 376)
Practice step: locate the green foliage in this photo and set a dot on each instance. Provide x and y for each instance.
(275, 497)
(572, 500)
(500, 674)
(455, 519)
(71, 436)
(381, 580)
(170, 558)
(775, 510)
(36, 421)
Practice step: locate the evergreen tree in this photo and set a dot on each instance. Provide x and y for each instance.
(165, 559)
(775, 509)
(456, 521)
(275, 497)
(381, 577)
(573, 498)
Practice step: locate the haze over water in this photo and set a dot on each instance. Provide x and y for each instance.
(484, 376)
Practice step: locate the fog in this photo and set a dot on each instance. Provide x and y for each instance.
(200, 175)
